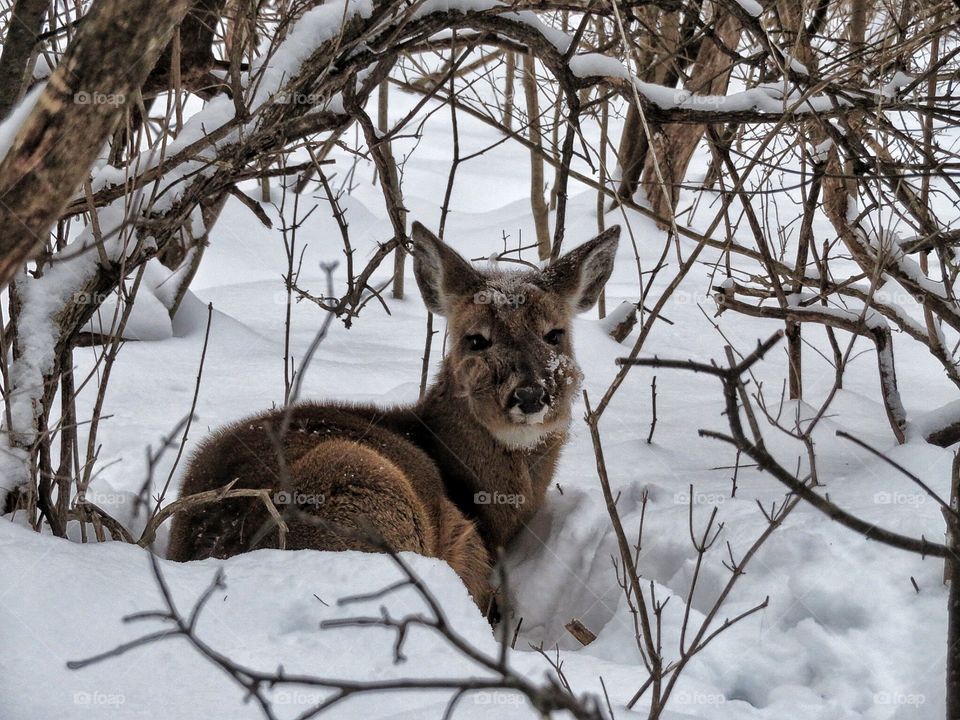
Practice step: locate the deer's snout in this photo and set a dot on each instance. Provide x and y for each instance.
(530, 399)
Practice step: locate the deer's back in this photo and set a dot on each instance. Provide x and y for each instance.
(247, 452)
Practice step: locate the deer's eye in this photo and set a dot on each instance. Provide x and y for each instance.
(477, 342)
(554, 336)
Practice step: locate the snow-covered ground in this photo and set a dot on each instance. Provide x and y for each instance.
(845, 634)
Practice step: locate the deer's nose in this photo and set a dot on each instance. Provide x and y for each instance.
(530, 399)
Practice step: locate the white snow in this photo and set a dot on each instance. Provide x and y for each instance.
(821, 150)
(824, 647)
(845, 635)
(892, 88)
(241, 621)
(751, 6)
(42, 299)
(616, 316)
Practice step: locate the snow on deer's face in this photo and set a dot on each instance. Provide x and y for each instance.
(510, 353)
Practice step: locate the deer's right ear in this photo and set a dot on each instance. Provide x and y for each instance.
(441, 273)
(579, 276)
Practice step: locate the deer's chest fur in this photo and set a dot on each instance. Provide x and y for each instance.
(500, 488)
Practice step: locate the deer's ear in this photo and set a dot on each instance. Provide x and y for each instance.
(580, 275)
(441, 273)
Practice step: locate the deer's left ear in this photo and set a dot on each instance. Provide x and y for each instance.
(441, 273)
(581, 274)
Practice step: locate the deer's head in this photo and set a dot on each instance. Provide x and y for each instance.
(509, 351)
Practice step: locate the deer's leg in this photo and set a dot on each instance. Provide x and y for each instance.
(460, 545)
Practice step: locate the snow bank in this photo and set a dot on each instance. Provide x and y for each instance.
(845, 635)
(83, 592)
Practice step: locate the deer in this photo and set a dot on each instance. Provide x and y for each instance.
(455, 476)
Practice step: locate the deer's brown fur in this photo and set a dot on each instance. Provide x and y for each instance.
(454, 476)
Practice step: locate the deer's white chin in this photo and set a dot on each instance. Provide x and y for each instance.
(526, 431)
(522, 437)
(519, 417)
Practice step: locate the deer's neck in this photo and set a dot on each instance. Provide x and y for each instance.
(498, 485)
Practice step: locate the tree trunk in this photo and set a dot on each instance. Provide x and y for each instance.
(953, 642)
(195, 53)
(26, 20)
(653, 66)
(856, 34)
(673, 147)
(792, 23)
(83, 99)
(508, 92)
(391, 186)
(604, 114)
(537, 203)
(952, 575)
